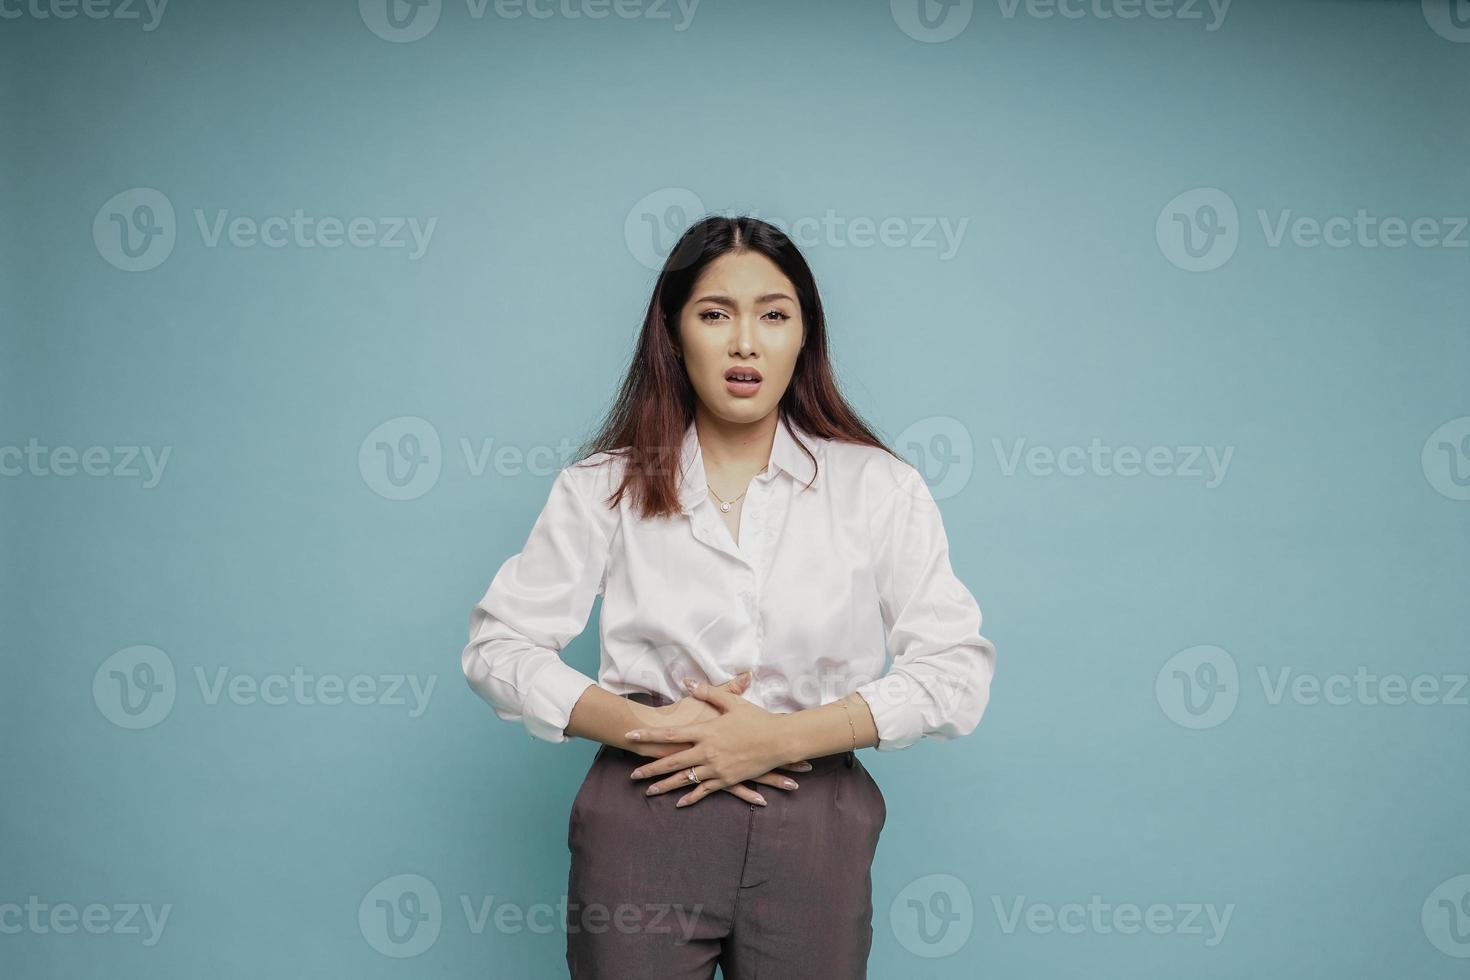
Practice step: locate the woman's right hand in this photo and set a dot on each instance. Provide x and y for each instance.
(690, 710)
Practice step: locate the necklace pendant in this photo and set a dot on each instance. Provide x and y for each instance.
(725, 507)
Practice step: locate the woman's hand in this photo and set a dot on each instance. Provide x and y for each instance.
(742, 743)
(690, 710)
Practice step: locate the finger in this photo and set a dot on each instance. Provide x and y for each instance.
(739, 683)
(679, 761)
(746, 793)
(679, 780)
(714, 695)
(773, 779)
(677, 733)
(802, 766)
(705, 787)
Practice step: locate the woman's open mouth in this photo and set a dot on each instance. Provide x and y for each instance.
(742, 382)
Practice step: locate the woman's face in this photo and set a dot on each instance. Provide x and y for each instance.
(742, 317)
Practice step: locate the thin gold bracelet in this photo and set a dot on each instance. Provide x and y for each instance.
(850, 725)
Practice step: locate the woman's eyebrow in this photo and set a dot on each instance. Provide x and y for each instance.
(727, 301)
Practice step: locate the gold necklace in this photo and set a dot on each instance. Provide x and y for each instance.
(725, 504)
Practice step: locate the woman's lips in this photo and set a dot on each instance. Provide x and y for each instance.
(742, 388)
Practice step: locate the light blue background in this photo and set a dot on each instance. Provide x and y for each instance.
(536, 143)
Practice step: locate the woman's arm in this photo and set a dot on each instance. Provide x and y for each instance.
(939, 684)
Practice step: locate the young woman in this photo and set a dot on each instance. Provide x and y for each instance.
(750, 535)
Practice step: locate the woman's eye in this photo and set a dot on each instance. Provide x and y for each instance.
(709, 315)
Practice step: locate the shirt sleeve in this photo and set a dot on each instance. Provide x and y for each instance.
(538, 601)
(939, 684)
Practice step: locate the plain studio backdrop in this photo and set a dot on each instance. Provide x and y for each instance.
(305, 303)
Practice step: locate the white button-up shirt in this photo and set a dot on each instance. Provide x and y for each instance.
(821, 580)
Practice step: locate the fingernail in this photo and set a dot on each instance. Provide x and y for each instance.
(803, 767)
(761, 799)
(636, 774)
(745, 676)
(650, 791)
(680, 803)
(791, 784)
(689, 683)
(632, 736)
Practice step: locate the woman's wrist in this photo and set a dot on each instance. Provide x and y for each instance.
(824, 730)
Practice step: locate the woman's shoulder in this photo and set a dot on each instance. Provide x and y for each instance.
(599, 475)
(857, 462)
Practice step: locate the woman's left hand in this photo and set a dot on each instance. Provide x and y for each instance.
(742, 743)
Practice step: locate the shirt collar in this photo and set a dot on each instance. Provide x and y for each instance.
(786, 456)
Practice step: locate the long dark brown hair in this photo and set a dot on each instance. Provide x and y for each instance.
(655, 404)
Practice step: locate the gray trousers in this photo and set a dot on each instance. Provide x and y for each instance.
(776, 892)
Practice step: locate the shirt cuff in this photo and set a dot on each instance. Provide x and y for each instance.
(898, 719)
(550, 699)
